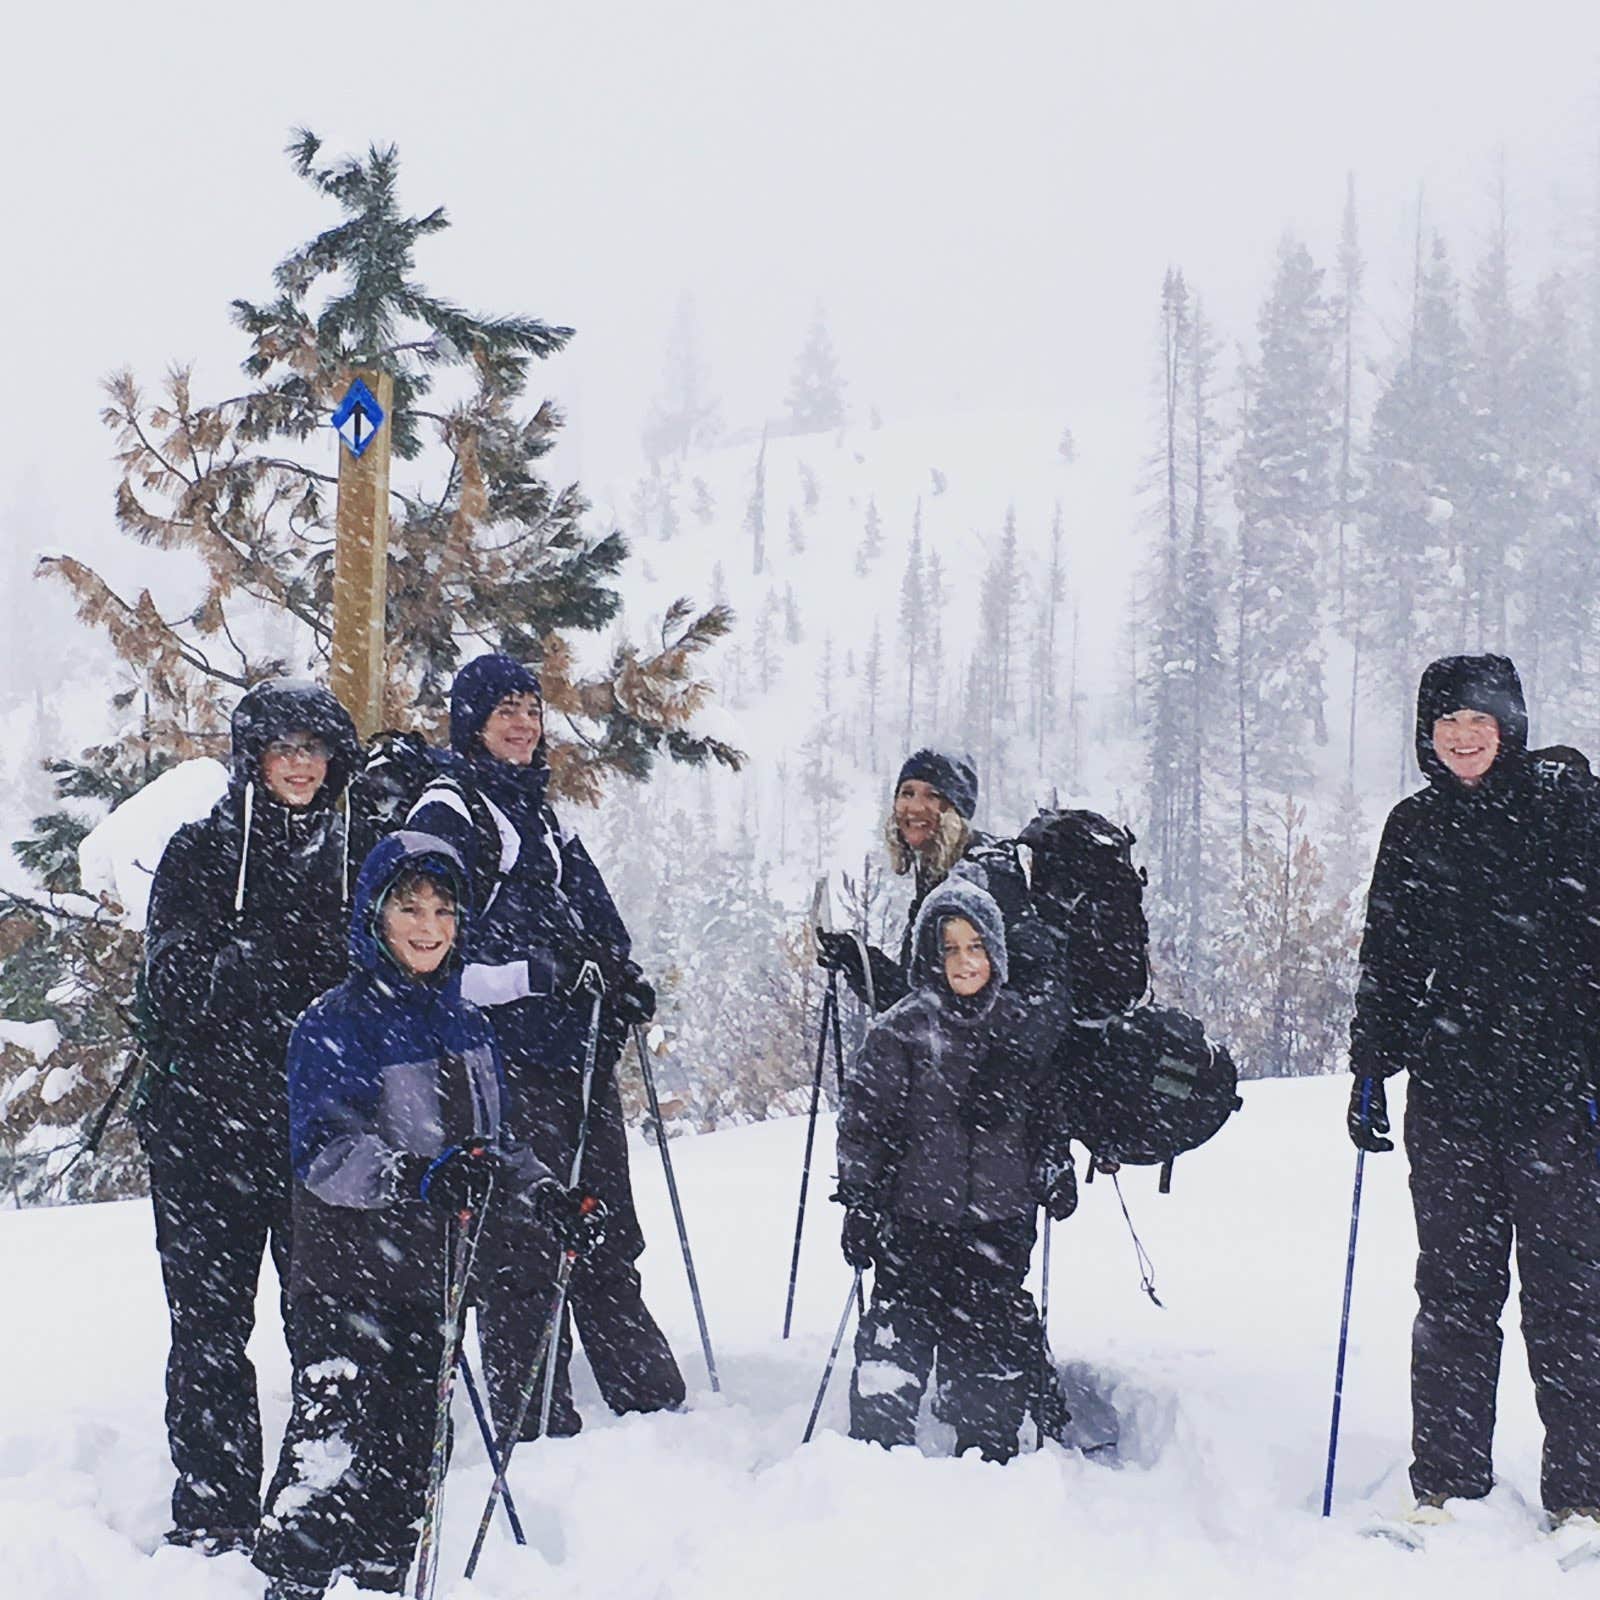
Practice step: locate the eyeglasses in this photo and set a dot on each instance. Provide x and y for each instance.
(305, 749)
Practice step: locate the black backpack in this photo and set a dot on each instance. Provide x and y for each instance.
(1085, 885)
(397, 769)
(1149, 1085)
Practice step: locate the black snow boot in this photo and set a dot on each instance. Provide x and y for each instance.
(213, 1541)
(293, 1589)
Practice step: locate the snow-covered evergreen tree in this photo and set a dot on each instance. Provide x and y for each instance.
(815, 402)
(1283, 492)
(684, 416)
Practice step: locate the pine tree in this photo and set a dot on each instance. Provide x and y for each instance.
(872, 691)
(491, 555)
(871, 546)
(1416, 464)
(765, 647)
(755, 511)
(1283, 492)
(797, 533)
(1558, 576)
(816, 391)
(704, 508)
(1347, 312)
(810, 489)
(913, 607)
(684, 416)
(935, 594)
(1046, 696)
(1287, 967)
(1492, 511)
(1165, 661)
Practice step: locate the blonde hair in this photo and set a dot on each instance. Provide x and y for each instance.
(947, 847)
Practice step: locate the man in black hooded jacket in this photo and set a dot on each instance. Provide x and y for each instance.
(1480, 974)
(246, 929)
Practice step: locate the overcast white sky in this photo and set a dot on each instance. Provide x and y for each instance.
(984, 197)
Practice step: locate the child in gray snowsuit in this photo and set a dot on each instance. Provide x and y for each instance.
(951, 1134)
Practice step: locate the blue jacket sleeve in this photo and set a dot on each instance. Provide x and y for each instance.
(333, 1142)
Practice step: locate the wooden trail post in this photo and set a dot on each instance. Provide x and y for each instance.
(361, 550)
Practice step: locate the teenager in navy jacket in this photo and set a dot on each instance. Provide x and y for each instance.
(545, 922)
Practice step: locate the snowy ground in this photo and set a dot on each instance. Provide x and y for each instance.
(1223, 1400)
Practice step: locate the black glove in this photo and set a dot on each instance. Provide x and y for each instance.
(859, 1241)
(576, 1218)
(238, 977)
(839, 952)
(578, 969)
(633, 997)
(1368, 1118)
(460, 1178)
(1061, 1196)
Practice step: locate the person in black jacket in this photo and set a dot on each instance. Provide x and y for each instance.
(1480, 974)
(952, 1133)
(245, 931)
(928, 833)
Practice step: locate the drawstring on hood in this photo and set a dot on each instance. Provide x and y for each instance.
(1472, 683)
(271, 710)
(244, 849)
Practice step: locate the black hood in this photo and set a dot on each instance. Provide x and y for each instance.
(281, 706)
(1471, 683)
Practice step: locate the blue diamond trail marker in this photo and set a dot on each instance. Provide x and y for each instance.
(358, 418)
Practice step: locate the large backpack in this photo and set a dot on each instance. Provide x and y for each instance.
(1084, 884)
(397, 769)
(1147, 1086)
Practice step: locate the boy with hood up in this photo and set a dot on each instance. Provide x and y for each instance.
(1480, 973)
(246, 929)
(951, 1133)
(398, 1143)
(547, 928)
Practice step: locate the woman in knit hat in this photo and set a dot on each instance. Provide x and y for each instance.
(928, 833)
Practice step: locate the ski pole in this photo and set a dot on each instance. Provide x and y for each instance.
(489, 1443)
(833, 1354)
(677, 1206)
(1344, 1317)
(549, 1348)
(1044, 1279)
(465, 1232)
(830, 1002)
(838, 1067)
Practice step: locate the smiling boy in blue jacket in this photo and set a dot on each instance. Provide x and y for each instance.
(396, 1099)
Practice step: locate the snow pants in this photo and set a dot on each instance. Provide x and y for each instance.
(632, 1361)
(1476, 1194)
(956, 1295)
(353, 1473)
(217, 1209)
